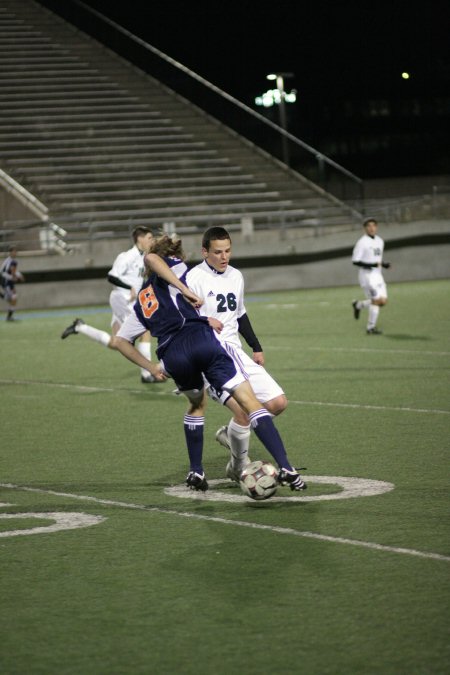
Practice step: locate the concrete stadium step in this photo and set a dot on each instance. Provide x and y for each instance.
(196, 176)
(30, 140)
(238, 206)
(157, 157)
(213, 201)
(260, 219)
(140, 175)
(142, 164)
(67, 117)
(130, 191)
(88, 147)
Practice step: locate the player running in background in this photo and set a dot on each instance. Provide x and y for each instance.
(368, 256)
(222, 287)
(126, 275)
(189, 351)
(10, 275)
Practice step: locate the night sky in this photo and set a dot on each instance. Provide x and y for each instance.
(333, 48)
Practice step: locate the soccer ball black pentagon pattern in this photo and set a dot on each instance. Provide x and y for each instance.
(259, 480)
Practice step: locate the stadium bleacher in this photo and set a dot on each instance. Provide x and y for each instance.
(106, 147)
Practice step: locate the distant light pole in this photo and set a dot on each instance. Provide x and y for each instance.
(279, 78)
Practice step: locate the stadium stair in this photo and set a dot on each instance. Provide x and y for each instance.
(106, 147)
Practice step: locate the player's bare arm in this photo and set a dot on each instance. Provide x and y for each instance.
(133, 355)
(156, 264)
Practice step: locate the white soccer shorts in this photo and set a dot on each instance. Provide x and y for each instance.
(263, 384)
(373, 284)
(121, 305)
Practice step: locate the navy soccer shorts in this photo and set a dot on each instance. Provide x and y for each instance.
(196, 351)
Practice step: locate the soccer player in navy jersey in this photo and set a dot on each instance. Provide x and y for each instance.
(189, 351)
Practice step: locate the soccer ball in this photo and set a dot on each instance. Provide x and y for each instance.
(259, 480)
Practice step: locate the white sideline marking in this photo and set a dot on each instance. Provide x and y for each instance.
(114, 390)
(351, 487)
(237, 523)
(376, 351)
(63, 521)
(360, 406)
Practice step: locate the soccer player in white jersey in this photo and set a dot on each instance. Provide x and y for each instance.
(126, 275)
(368, 256)
(222, 288)
(9, 276)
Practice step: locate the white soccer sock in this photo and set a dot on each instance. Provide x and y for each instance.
(145, 349)
(239, 438)
(94, 333)
(363, 304)
(374, 310)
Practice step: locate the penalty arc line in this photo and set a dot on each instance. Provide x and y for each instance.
(237, 523)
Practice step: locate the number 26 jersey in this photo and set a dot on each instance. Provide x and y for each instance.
(223, 295)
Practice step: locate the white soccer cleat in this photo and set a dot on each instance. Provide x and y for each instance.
(233, 472)
(222, 437)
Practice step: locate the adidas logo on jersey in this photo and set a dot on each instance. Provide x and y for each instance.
(210, 294)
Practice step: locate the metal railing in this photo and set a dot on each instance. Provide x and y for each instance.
(434, 205)
(23, 196)
(236, 115)
(36, 233)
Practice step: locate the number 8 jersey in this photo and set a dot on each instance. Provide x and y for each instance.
(162, 309)
(223, 295)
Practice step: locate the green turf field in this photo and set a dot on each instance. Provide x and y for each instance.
(158, 583)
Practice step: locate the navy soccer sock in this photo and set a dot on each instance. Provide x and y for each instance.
(264, 428)
(193, 430)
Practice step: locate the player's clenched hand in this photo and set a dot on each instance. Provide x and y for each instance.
(258, 357)
(192, 298)
(157, 372)
(216, 324)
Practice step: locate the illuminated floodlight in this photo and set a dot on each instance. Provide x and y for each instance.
(273, 97)
(405, 76)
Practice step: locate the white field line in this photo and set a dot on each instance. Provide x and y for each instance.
(236, 523)
(372, 407)
(62, 521)
(112, 390)
(376, 351)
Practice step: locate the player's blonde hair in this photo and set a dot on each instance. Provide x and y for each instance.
(169, 246)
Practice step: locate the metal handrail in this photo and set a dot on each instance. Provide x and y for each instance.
(24, 196)
(319, 156)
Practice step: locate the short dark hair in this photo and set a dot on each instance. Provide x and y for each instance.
(370, 220)
(214, 233)
(140, 231)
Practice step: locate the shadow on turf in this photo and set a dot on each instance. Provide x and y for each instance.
(404, 336)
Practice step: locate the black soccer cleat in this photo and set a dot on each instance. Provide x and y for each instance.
(374, 331)
(72, 329)
(291, 478)
(356, 311)
(196, 481)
